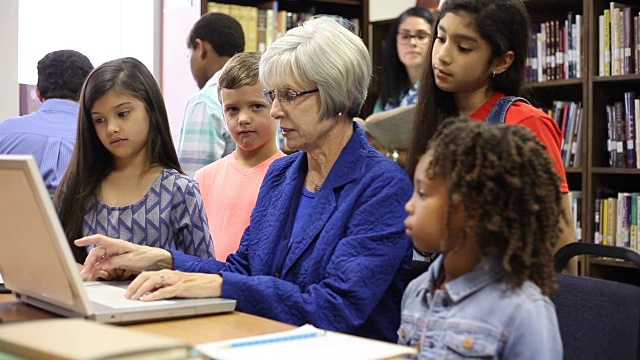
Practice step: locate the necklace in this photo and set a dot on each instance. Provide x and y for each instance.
(317, 186)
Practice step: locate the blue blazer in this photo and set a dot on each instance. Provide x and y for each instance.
(344, 271)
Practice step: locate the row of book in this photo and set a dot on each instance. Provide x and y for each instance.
(262, 25)
(618, 40)
(616, 219)
(555, 50)
(623, 132)
(568, 116)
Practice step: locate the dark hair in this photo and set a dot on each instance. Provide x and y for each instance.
(504, 24)
(91, 162)
(61, 74)
(509, 192)
(394, 78)
(221, 31)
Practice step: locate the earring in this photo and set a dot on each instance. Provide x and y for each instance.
(340, 113)
(494, 73)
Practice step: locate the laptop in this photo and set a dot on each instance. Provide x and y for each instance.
(37, 265)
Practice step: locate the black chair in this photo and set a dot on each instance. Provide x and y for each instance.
(598, 319)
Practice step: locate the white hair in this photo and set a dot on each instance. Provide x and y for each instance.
(321, 53)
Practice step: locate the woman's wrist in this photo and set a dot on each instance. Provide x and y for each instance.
(164, 260)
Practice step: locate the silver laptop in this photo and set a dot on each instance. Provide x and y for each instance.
(36, 262)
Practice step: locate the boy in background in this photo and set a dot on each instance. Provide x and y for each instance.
(213, 40)
(230, 186)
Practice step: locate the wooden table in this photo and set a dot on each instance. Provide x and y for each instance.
(194, 330)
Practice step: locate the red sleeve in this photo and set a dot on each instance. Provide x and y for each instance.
(549, 134)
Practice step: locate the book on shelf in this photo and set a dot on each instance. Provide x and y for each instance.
(575, 199)
(618, 40)
(616, 219)
(568, 117)
(264, 23)
(623, 132)
(556, 49)
(84, 339)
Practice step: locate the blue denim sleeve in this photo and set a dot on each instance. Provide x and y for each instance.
(534, 333)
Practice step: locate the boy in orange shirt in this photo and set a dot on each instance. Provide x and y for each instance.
(230, 185)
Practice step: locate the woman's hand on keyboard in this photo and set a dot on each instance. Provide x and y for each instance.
(164, 284)
(113, 254)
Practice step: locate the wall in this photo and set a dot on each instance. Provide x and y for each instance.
(124, 28)
(178, 86)
(385, 9)
(8, 59)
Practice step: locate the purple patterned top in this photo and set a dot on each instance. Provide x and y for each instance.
(170, 216)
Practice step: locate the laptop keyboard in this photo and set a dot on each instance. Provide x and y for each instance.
(113, 297)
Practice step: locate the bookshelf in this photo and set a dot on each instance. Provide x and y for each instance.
(286, 14)
(595, 92)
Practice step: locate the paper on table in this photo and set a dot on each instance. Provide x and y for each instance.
(330, 345)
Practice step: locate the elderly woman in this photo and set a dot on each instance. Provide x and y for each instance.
(326, 242)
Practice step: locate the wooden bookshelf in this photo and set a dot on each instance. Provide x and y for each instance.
(348, 9)
(595, 92)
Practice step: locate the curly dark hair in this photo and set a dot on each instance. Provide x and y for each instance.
(223, 32)
(61, 74)
(509, 192)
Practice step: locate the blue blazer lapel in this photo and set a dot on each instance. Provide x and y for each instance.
(344, 171)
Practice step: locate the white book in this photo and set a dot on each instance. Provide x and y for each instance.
(305, 342)
(578, 46)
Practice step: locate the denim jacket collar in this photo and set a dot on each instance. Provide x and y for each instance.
(483, 274)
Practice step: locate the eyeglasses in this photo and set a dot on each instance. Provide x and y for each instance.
(285, 95)
(405, 38)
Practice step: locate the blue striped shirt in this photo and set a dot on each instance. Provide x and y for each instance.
(204, 137)
(48, 134)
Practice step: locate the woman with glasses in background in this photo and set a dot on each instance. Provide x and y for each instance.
(403, 59)
(326, 242)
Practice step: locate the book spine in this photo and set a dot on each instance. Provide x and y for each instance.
(629, 107)
(619, 134)
(636, 105)
(601, 55)
(627, 36)
(607, 42)
(597, 225)
(634, 222)
(610, 136)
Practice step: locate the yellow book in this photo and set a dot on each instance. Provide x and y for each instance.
(604, 216)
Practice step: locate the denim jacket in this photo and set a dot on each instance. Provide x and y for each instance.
(476, 316)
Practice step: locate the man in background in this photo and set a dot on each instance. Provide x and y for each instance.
(50, 133)
(204, 137)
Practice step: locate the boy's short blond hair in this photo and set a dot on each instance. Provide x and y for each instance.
(240, 70)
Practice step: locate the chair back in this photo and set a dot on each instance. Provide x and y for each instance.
(598, 319)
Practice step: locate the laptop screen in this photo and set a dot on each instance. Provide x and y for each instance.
(35, 259)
